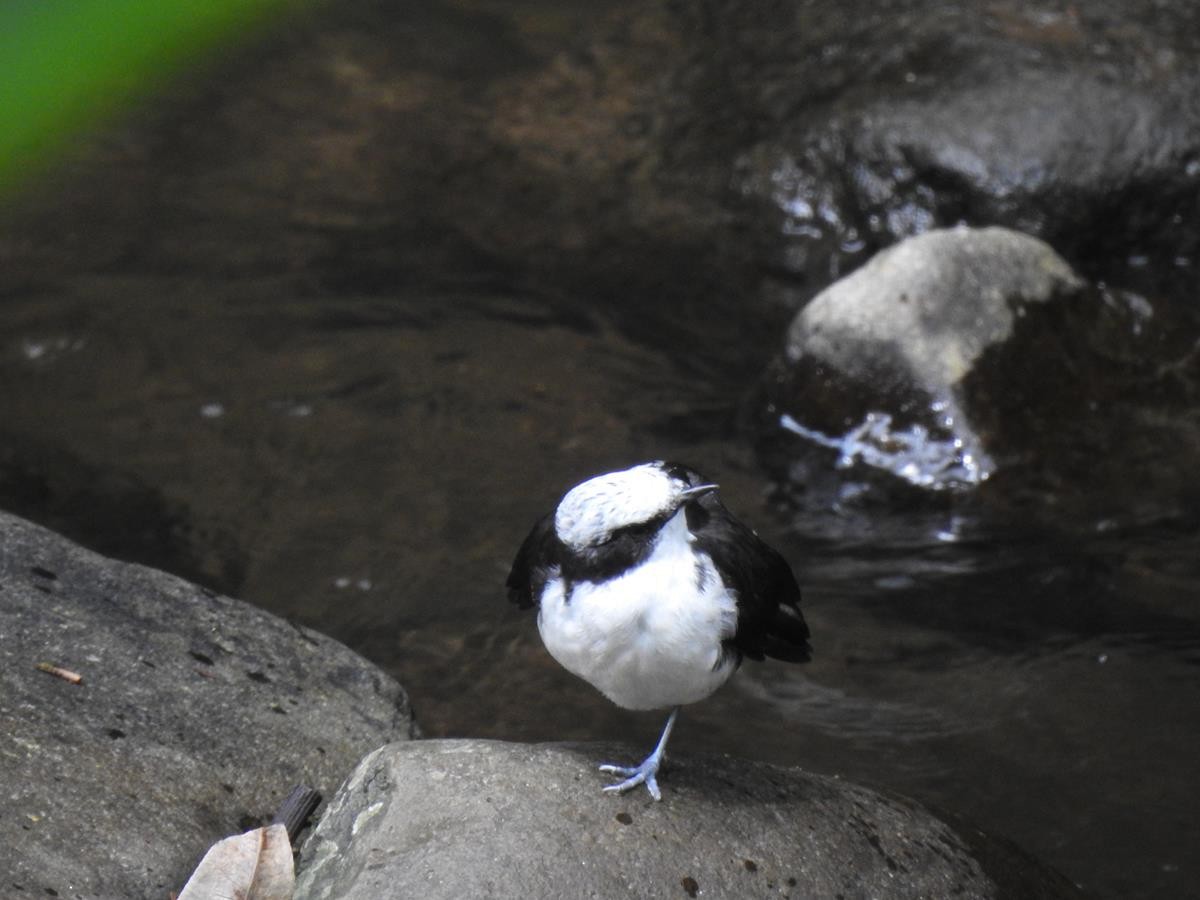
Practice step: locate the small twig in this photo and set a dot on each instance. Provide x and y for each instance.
(295, 810)
(58, 671)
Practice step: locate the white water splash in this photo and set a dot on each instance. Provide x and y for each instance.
(910, 453)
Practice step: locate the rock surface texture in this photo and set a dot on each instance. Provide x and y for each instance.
(451, 819)
(939, 299)
(195, 715)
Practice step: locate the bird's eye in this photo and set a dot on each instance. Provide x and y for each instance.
(638, 529)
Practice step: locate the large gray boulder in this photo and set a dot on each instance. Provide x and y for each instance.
(978, 359)
(875, 365)
(937, 301)
(452, 819)
(195, 716)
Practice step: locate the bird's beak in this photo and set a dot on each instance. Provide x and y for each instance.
(698, 491)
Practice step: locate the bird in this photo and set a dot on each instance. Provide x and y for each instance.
(648, 588)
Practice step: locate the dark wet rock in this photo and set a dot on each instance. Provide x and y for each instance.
(195, 717)
(449, 819)
(1080, 126)
(874, 366)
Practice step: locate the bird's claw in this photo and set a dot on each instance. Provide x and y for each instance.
(644, 774)
(646, 771)
(623, 771)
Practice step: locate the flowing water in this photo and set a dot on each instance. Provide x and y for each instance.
(368, 466)
(366, 458)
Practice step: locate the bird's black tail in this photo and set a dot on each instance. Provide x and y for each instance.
(787, 636)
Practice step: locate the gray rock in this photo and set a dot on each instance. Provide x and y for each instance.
(938, 301)
(898, 337)
(196, 714)
(452, 819)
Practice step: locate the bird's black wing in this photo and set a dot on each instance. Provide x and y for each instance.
(536, 558)
(768, 598)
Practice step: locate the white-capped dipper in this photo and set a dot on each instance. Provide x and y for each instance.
(649, 589)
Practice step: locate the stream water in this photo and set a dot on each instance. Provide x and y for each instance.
(368, 466)
(366, 458)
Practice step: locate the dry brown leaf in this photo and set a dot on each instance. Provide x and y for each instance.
(256, 865)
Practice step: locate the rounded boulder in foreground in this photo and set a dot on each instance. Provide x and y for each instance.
(452, 819)
(191, 718)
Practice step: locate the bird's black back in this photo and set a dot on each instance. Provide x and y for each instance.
(768, 598)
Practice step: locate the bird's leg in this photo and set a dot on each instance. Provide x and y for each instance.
(646, 772)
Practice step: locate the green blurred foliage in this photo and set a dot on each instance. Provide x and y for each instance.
(66, 63)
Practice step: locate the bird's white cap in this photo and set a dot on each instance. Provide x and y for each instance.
(594, 509)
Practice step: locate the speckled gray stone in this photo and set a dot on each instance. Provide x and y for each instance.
(195, 716)
(937, 301)
(453, 819)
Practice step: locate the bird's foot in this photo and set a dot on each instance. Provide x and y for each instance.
(645, 773)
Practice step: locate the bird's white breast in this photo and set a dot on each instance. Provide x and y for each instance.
(650, 638)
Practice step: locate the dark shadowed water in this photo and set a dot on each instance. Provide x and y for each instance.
(363, 453)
